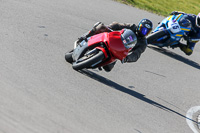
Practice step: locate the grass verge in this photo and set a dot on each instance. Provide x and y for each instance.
(165, 7)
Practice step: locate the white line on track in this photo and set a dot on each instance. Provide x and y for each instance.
(199, 121)
(189, 115)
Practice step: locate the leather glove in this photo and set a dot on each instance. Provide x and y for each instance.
(173, 13)
(82, 38)
(176, 13)
(133, 27)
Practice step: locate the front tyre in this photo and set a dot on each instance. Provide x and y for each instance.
(68, 56)
(153, 37)
(88, 60)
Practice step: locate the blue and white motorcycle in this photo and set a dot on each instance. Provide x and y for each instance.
(170, 31)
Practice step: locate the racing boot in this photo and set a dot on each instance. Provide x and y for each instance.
(186, 49)
(109, 67)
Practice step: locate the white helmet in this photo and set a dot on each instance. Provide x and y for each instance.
(198, 20)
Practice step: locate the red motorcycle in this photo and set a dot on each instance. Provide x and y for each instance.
(101, 49)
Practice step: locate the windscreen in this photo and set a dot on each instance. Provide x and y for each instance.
(129, 38)
(184, 22)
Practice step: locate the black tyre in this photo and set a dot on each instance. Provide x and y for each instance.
(154, 36)
(89, 60)
(68, 56)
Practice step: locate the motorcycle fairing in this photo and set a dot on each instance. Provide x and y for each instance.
(116, 45)
(79, 50)
(170, 38)
(91, 42)
(113, 42)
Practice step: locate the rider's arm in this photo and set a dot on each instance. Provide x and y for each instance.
(99, 27)
(137, 50)
(119, 26)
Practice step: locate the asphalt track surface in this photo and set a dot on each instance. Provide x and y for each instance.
(41, 93)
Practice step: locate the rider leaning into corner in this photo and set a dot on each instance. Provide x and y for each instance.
(193, 36)
(143, 29)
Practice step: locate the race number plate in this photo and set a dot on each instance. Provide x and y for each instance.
(174, 26)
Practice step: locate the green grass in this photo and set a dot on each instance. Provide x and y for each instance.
(166, 6)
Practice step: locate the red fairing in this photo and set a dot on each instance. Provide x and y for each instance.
(102, 37)
(116, 45)
(113, 42)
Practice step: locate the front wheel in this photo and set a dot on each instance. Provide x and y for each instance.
(68, 56)
(152, 38)
(90, 59)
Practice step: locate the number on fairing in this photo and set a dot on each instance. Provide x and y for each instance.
(174, 26)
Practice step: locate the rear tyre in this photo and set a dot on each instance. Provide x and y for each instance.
(89, 60)
(155, 36)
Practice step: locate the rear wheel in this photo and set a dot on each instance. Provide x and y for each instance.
(89, 60)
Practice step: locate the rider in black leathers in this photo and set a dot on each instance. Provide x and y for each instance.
(144, 28)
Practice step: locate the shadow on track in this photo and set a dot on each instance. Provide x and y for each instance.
(176, 56)
(128, 91)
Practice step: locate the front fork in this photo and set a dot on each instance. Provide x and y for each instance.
(75, 44)
(103, 50)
